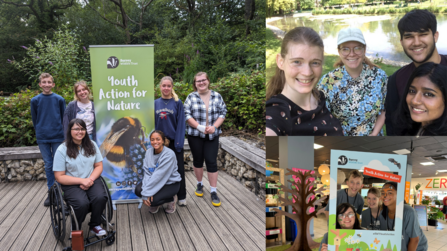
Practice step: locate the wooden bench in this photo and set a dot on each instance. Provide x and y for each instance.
(245, 152)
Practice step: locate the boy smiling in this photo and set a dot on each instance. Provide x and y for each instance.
(351, 194)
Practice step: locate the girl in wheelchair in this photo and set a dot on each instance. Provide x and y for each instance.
(77, 167)
(161, 180)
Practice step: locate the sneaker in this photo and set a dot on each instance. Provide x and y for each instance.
(199, 190)
(182, 203)
(46, 203)
(98, 231)
(153, 210)
(215, 199)
(170, 209)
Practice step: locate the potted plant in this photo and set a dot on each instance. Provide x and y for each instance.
(434, 215)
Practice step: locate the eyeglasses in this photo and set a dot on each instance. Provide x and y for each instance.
(350, 215)
(200, 81)
(346, 50)
(79, 129)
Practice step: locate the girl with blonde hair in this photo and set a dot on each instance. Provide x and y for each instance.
(170, 119)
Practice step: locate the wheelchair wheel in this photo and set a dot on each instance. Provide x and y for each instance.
(110, 240)
(57, 209)
(109, 204)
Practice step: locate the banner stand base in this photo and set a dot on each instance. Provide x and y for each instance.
(115, 202)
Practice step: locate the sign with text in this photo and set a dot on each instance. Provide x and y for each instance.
(123, 90)
(431, 183)
(387, 167)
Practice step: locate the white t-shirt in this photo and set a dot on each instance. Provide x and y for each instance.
(86, 114)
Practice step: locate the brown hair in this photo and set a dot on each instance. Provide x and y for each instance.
(298, 35)
(83, 84)
(199, 74)
(339, 62)
(375, 191)
(355, 174)
(174, 95)
(45, 75)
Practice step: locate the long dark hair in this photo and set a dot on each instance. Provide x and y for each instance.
(86, 144)
(403, 123)
(341, 209)
(298, 35)
(385, 208)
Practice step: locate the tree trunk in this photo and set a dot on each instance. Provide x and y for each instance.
(249, 14)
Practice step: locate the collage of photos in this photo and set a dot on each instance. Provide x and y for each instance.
(258, 125)
(339, 70)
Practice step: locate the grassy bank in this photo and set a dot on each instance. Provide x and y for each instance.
(273, 47)
(380, 10)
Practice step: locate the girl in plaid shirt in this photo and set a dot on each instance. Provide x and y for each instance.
(205, 112)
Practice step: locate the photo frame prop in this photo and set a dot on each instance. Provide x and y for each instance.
(387, 167)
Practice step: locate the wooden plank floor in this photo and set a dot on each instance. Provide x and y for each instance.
(238, 224)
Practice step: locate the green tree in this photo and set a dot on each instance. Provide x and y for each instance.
(388, 246)
(394, 248)
(60, 56)
(381, 247)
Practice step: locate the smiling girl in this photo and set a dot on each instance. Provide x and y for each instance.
(346, 219)
(82, 108)
(294, 106)
(423, 112)
(355, 91)
(161, 180)
(413, 238)
(370, 216)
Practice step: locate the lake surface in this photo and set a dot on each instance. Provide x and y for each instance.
(380, 32)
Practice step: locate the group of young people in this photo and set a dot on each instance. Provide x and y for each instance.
(357, 98)
(67, 140)
(380, 215)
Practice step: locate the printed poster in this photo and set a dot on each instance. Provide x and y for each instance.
(123, 90)
(389, 167)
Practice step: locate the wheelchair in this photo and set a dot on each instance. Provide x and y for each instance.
(61, 210)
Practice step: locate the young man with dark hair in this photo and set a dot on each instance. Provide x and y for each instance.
(418, 37)
(47, 112)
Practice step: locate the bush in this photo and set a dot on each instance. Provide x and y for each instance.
(243, 93)
(244, 96)
(16, 126)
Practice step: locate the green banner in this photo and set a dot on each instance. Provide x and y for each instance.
(123, 90)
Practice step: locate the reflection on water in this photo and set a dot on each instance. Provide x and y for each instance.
(380, 32)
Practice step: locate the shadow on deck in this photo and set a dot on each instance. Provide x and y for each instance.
(238, 224)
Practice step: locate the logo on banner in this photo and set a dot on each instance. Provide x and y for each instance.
(112, 62)
(342, 160)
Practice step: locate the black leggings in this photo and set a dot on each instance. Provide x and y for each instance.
(165, 195)
(204, 148)
(82, 201)
(181, 170)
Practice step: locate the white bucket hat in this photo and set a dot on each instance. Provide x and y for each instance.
(350, 34)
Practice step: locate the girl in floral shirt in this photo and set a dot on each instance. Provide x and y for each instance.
(355, 91)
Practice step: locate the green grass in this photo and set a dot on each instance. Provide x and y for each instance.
(284, 247)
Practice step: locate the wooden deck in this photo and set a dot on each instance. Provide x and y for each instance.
(239, 224)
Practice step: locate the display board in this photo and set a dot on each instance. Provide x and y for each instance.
(123, 90)
(388, 167)
(421, 210)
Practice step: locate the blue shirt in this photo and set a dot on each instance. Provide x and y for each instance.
(47, 112)
(81, 167)
(170, 119)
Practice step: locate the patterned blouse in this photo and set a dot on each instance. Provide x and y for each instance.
(356, 102)
(286, 118)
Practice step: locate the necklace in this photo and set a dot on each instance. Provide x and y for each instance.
(166, 103)
(392, 222)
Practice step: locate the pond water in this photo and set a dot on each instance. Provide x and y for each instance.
(380, 32)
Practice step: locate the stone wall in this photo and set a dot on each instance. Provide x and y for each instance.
(22, 170)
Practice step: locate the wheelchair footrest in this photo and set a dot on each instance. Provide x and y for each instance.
(77, 240)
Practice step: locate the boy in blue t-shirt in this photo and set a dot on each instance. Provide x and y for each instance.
(47, 112)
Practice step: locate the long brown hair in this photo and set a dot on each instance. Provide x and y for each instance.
(298, 35)
(87, 145)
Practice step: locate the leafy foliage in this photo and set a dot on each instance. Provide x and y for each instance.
(59, 56)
